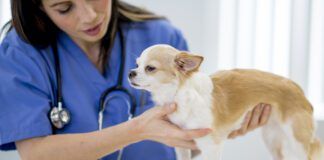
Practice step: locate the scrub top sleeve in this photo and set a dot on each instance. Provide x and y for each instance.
(24, 97)
(178, 41)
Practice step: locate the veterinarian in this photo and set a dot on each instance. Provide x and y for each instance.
(59, 62)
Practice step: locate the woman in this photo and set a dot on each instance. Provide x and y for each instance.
(90, 36)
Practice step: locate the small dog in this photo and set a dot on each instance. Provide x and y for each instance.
(221, 101)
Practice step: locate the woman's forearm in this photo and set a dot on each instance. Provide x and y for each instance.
(93, 145)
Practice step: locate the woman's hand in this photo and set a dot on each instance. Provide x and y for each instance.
(258, 117)
(153, 125)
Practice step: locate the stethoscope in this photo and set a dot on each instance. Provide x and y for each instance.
(60, 116)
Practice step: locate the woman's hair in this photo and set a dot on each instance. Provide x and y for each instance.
(36, 28)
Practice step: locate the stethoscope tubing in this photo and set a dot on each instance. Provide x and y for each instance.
(131, 102)
(100, 119)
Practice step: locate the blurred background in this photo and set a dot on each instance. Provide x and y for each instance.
(285, 37)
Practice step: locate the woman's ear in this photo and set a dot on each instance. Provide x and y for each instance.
(41, 7)
(187, 63)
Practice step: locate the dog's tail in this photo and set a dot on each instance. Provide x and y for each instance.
(316, 150)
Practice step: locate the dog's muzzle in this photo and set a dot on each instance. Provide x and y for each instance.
(132, 74)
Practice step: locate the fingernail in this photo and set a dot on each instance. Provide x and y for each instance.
(268, 108)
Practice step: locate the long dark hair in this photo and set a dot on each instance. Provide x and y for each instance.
(36, 28)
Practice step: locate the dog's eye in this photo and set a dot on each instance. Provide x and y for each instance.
(149, 68)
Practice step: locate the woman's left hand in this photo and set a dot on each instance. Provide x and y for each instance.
(254, 119)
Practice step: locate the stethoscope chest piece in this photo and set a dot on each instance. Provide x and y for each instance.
(59, 117)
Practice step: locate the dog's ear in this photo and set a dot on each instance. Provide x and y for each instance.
(187, 63)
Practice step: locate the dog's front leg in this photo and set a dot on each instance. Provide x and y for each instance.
(183, 154)
(210, 150)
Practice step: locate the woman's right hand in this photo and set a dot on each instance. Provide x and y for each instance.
(154, 125)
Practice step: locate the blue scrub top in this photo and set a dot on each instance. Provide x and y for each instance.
(28, 87)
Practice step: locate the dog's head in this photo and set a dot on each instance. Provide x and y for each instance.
(162, 65)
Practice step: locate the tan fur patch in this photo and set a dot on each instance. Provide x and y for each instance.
(236, 90)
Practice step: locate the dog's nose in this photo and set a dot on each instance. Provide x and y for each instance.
(132, 74)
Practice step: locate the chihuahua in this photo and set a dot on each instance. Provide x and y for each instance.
(220, 101)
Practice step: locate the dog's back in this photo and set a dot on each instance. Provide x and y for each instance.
(289, 133)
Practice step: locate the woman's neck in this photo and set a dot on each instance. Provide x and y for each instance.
(92, 50)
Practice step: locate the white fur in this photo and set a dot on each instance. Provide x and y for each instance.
(276, 134)
(209, 149)
(183, 154)
(194, 104)
(193, 101)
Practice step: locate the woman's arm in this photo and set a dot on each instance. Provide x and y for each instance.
(94, 145)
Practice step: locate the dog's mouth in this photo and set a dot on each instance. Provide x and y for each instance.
(138, 86)
(135, 84)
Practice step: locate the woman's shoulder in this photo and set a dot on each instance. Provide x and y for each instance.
(12, 39)
(158, 31)
(17, 54)
(13, 44)
(155, 25)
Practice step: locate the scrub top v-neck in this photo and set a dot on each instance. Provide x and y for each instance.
(28, 87)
